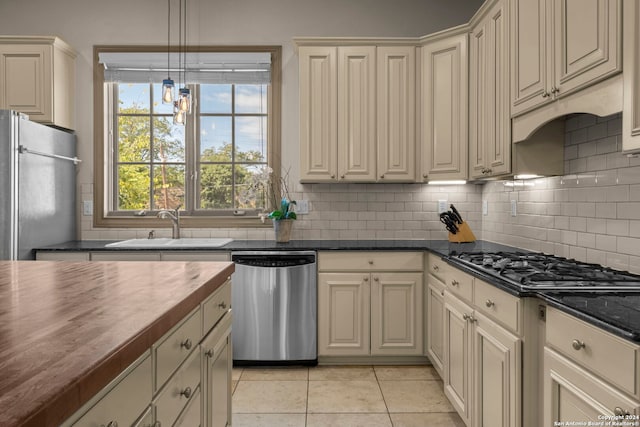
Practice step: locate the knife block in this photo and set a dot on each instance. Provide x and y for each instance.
(464, 234)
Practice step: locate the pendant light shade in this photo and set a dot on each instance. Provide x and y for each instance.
(167, 91)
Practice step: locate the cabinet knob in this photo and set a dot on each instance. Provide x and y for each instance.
(469, 318)
(222, 305)
(209, 353)
(436, 268)
(555, 90)
(186, 344)
(441, 293)
(465, 316)
(332, 176)
(110, 424)
(577, 344)
(545, 94)
(425, 175)
(489, 303)
(370, 262)
(382, 176)
(366, 279)
(618, 411)
(454, 283)
(186, 392)
(377, 279)
(342, 176)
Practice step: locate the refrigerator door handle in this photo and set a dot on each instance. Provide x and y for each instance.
(22, 149)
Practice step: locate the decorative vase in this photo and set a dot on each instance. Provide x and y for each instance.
(282, 229)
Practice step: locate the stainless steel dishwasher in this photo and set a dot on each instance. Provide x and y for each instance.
(274, 297)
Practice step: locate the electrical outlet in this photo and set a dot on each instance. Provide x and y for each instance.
(514, 208)
(87, 207)
(485, 207)
(301, 207)
(442, 206)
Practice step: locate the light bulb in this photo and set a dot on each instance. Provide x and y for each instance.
(184, 100)
(178, 118)
(167, 91)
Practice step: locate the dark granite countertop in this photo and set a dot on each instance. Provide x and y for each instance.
(616, 312)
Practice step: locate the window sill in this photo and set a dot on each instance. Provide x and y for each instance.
(185, 222)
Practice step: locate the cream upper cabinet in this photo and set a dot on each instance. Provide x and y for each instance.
(37, 77)
(631, 76)
(561, 46)
(444, 108)
(489, 102)
(396, 113)
(357, 113)
(318, 113)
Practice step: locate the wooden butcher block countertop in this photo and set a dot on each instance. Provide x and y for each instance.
(68, 328)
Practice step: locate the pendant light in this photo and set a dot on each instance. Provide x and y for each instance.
(184, 94)
(168, 84)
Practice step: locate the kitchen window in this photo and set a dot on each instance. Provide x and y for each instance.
(145, 162)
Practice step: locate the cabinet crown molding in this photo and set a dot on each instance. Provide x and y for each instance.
(52, 40)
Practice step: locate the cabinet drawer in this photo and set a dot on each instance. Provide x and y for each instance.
(460, 283)
(180, 390)
(125, 401)
(175, 346)
(498, 305)
(437, 267)
(190, 417)
(370, 261)
(125, 256)
(216, 306)
(606, 355)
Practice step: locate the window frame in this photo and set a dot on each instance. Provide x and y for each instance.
(104, 186)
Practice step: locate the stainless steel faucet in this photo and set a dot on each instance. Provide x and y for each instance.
(174, 216)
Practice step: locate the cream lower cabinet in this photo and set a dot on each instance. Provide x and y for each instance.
(149, 255)
(482, 361)
(588, 373)
(561, 46)
(183, 380)
(434, 323)
(366, 310)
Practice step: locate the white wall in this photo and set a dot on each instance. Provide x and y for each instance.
(592, 213)
(85, 23)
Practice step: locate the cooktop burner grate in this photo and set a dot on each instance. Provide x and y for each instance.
(538, 270)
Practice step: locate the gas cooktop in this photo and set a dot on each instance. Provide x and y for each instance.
(531, 271)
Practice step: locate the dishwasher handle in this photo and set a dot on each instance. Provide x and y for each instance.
(274, 259)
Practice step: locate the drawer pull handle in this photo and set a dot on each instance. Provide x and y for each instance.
(454, 283)
(186, 392)
(489, 303)
(577, 344)
(186, 344)
(223, 305)
(436, 268)
(618, 411)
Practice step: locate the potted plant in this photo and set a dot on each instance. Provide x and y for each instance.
(277, 200)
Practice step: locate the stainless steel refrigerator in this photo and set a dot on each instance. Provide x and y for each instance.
(37, 186)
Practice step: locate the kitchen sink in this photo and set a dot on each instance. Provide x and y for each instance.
(163, 242)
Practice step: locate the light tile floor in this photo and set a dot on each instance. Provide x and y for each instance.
(344, 396)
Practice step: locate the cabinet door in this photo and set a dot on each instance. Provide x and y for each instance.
(343, 314)
(444, 110)
(190, 416)
(396, 314)
(478, 99)
(457, 355)
(25, 80)
(216, 379)
(529, 67)
(587, 40)
(631, 77)
(357, 113)
(497, 375)
(396, 113)
(574, 394)
(318, 113)
(497, 143)
(435, 323)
